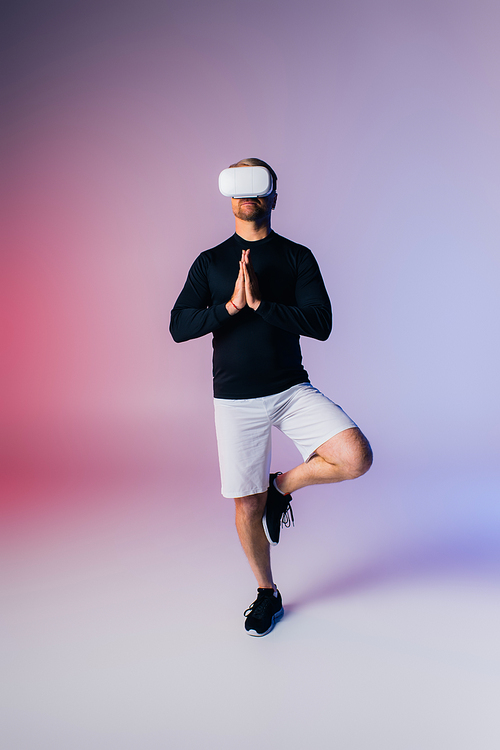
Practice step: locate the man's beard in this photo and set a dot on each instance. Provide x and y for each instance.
(253, 213)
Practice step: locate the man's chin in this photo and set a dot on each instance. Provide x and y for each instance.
(251, 215)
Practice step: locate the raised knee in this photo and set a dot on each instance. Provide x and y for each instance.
(357, 459)
(364, 460)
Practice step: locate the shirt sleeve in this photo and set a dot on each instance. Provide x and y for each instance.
(193, 315)
(312, 314)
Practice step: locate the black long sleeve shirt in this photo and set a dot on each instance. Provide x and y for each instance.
(256, 353)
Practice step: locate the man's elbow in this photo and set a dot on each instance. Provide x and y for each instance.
(326, 328)
(323, 334)
(175, 331)
(179, 337)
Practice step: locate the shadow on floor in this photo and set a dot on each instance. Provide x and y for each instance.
(459, 557)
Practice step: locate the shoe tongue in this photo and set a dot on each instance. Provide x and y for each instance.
(266, 591)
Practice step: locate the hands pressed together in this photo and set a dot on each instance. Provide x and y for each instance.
(246, 289)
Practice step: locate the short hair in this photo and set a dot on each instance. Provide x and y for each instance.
(252, 162)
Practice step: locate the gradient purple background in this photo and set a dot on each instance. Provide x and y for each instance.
(382, 120)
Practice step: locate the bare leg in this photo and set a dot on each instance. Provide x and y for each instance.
(345, 456)
(249, 511)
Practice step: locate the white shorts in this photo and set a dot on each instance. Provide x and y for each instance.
(243, 429)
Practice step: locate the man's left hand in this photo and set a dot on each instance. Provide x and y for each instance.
(251, 283)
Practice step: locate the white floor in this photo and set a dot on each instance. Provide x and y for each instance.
(123, 628)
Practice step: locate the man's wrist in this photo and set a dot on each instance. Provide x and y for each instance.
(232, 308)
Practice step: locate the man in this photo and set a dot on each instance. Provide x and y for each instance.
(257, 292)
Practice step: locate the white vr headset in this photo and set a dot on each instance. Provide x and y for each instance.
(245, 182)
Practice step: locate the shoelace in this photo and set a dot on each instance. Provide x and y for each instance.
(259, 606)
(287, 516)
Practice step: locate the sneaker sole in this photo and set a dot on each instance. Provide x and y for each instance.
(266, 531)
(275, 619)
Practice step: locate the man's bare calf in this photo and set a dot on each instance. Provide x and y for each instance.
(249, 512)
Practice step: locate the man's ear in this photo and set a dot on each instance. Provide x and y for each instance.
(274, 202)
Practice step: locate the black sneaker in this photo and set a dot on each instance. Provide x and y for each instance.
(264, 613)
(277, 513)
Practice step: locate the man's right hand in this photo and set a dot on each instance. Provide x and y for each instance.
(238, 298)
